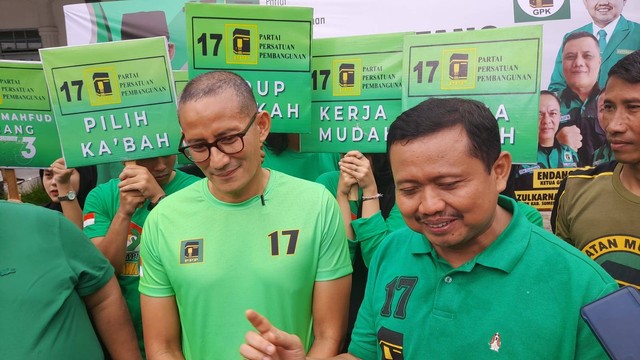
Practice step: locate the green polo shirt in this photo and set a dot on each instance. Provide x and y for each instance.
(518, 299)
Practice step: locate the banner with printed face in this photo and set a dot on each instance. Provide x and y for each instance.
(499, 67)
(28, 134)
(572, 110)
(99, 22)
(113, 101)
(268, 47)
(356, 93)
(335, 18)
(180, 80)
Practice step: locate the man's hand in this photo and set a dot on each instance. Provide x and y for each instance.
(270, 343)
(137, 185)
(570, 136)
(130, 201)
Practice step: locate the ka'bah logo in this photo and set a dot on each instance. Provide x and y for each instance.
(462, 69)
(459, 67)
(391, 344)
(104, 88)
(242, 43)
(347, 77)
(537, 10)
(191, 251)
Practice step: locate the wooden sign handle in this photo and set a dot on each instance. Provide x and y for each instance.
(9, 176)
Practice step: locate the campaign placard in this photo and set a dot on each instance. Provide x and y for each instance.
(105, 21)
(180, 80)
(499, 67)
(113, 101)
(270, 47)
(356, 93)
(28, 133)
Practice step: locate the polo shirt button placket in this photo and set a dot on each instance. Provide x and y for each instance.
(448, 279)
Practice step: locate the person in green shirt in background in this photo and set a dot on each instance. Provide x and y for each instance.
(367, 219)
(115, 213)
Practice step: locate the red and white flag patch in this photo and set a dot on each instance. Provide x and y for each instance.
(89, 219)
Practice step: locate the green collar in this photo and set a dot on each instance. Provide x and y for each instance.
(503, 254)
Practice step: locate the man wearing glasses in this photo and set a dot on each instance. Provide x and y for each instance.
(244, 237)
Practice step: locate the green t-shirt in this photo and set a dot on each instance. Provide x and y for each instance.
(100, 208)
(219, 259)
(306, 166)
(46, 266)
(518, 299)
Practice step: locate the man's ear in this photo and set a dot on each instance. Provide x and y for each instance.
(263, 121)
(171, 49)
(501, 169)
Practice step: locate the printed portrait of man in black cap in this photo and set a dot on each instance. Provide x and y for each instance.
(145, 24)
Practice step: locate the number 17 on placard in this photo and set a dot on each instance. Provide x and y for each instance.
(423, 67)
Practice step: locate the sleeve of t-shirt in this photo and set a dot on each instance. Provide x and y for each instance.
(330, 181)
(97, 212)
(91, 269)
(153, 277)
(369, 233)
(559, 223)
(334, 261)
(364, 338)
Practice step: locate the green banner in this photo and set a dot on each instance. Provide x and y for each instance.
(499, 67)
(28, 134)
(125, 20)
(268, 46)
(356, 93)
(113, 101)
(180, 80)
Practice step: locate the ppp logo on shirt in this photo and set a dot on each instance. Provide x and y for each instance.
(541, 10)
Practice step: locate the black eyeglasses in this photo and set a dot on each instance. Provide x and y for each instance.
(230, 144)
